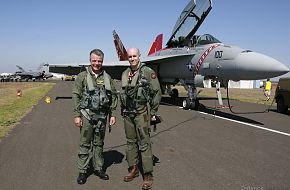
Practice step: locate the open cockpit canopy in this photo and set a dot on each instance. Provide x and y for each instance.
(188, 22)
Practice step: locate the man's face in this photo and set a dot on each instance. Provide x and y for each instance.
(96, 62)
(134, 57)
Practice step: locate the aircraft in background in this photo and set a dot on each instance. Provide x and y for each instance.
(21, 74)
(5, 77)
(189, 59)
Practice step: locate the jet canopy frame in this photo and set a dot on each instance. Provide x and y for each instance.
(206, 39)
(188, 22)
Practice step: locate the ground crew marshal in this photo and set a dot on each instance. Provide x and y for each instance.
(95, 101)
(140, 97)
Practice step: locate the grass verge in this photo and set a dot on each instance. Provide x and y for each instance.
(13, 108)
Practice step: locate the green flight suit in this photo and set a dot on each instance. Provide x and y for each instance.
(92, 133)
(140, 98)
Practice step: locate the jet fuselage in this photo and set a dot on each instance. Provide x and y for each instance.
(218, 61)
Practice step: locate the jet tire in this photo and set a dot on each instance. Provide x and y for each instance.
(174, 93)
(281, 107)
(186, 104)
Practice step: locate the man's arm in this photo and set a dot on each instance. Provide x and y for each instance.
(77, 94)
(155, 92)
(114, 102)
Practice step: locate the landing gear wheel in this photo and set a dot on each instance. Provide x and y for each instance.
(281, 107)
(186, 104)
(196, 105)
(174, 93)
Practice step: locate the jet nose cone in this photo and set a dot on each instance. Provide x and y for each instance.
(253, 66)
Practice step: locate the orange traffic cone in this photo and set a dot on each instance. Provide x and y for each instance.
(18, 93)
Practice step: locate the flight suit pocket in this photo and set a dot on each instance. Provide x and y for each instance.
(146, 118)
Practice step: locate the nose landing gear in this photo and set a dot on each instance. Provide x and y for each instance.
(191, 101)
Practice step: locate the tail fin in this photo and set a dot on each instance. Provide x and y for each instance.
(40, 67)
(156, 45)
(20, 68)
(121, 51)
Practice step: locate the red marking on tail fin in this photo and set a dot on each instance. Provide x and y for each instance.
(121, 51)
(158, 41)
(156, 45)
(152, 49)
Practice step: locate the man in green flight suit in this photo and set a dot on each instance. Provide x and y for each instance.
(95, 100)
(140, 98)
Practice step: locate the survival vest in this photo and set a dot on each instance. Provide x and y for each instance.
(135, 93)
(96, 99)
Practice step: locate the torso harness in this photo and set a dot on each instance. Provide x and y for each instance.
(135, 93)
(96, 100)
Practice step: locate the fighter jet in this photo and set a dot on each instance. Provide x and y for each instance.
(33, 75)
(189, 59)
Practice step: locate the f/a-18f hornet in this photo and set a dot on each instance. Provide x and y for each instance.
(189, 59)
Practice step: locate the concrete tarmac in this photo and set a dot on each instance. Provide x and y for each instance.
(206, 149)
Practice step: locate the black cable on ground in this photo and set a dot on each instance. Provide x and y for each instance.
(230, 107)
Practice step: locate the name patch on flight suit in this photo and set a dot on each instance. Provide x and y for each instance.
(100, 82)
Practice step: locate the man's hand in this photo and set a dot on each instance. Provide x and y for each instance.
(78, 122)
(153, 118)
(112, 121)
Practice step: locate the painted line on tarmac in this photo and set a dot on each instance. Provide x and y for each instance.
(244, 123)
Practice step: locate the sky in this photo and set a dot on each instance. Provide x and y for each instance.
(64, 32)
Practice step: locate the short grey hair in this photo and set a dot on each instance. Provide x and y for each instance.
(97, 52)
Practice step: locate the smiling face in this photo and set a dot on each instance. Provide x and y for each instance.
(134, 58)
(96, 63)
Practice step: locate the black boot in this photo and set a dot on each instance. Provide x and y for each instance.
(101, 174)
(82, 178)
(147, 181)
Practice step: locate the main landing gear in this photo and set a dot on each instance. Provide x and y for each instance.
(173, 93)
